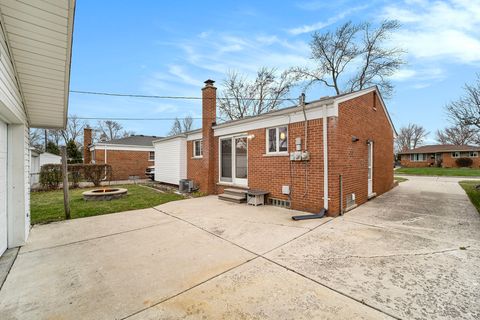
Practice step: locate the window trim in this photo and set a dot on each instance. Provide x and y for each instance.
(277, 141)
(454, 154)
(150, 154)
(475, 154)
(194, 155)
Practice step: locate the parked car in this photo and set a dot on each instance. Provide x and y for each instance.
(150, 172)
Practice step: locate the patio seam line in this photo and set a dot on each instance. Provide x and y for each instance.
(278, 264)
(89, 239)
(188, 289)
(331, 288)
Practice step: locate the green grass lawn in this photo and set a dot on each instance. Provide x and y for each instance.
(433, 171)
(473, 194)
(48, 206)
(400, 179)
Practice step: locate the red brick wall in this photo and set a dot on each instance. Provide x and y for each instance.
(364, 118)
(125, 163)
(449, 162)
(197, 169)
(406, 162)
(270, 173)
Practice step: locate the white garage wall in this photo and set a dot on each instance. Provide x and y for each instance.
(13, 113)
(171, 160)
(3, 187)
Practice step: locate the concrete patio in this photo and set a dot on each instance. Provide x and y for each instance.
(411, 253)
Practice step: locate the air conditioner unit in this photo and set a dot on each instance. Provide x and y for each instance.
(185, 185)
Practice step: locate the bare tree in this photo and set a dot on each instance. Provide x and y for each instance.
(466, 110)
(458, 135)
(357, 49)
(242, 97)
(410, 137)
(55, 136)
(37, 138)
(74, 130)
(180, 126)
(109, 129)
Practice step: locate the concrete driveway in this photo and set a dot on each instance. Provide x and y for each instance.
(412, 253)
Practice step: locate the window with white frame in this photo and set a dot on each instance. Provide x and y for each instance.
(151, 156)
(418, 157)
(197, 148)
(277, 140)
(456, 154)
(473, 154)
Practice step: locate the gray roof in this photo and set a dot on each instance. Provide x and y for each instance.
(135, 140)
(439, 148)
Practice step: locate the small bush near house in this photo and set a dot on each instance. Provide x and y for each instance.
(76, 172)
(464, 162)
(50, 176)
(96, 173)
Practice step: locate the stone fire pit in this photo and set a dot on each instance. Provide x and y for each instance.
(104, 194)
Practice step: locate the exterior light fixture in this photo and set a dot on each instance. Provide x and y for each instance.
(355, 139)
(250, 136)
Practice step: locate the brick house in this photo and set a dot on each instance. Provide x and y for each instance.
(128, 156)
(442, 155)
(333, 153)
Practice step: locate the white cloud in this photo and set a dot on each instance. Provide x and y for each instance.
(179, 73)
(322, 24)
(438, 30)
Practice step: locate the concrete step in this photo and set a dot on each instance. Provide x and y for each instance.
(236, 192)
(232, 198)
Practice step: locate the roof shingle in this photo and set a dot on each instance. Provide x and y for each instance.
(135, 140)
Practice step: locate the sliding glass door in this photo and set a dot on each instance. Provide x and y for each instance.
(234, 160)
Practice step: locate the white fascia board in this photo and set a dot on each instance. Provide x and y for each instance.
(120, 147)
(182, 136)
(195, 136)
(357, 94)
(313, 111)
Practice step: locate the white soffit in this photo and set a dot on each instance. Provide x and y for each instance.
(39, 34)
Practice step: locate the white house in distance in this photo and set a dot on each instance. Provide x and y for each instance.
(35, 51)
(37, 160)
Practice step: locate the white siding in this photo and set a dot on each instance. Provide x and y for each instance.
(9, 92)
(171, 160)
(3, 187)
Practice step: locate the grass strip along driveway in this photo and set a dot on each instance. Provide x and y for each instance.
(472, 192)
(48, 206)
(434, 171)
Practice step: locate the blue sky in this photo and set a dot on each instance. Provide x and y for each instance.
(170, 48)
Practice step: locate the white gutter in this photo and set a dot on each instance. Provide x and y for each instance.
(325, 158)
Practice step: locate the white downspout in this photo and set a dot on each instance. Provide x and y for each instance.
(325, 158)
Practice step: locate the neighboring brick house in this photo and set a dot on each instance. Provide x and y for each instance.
(339, 158)
(128, 156)
(442, 155)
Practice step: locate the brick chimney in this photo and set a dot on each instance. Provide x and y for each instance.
(209, 116)
(87, 141)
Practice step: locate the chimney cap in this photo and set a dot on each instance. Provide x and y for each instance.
(209, 82)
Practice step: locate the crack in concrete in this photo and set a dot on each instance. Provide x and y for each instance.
(94, 238)
(401, 254)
